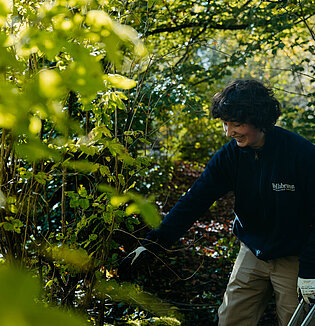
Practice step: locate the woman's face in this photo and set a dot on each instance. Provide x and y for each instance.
(244, 134)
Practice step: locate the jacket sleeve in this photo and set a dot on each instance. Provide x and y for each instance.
(307, 256)
(216, 180)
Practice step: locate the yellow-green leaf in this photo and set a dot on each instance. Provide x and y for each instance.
(50, 83)
(49, 283)
(120, 81)
(5, 7)
(35, 125)
(99, 19)
(83, 165)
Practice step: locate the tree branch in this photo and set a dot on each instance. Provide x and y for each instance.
(191, 42)
(305, 22)
(164, 29)
(290, 92)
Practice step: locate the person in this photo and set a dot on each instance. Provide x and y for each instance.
(272, 174)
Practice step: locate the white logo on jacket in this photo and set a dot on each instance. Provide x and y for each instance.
(282, 187)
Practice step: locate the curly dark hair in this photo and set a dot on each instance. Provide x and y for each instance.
(247, 101)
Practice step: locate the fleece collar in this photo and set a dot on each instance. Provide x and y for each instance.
(267, 147)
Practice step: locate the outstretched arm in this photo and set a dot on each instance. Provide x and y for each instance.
(216, 180)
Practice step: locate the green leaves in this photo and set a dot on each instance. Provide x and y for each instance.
(77, 258)
(64, 49)
(131, 294)
(19, 303)
(99, 21)
(34, 150)
(79, 199)
(60, 115)
(84, 166)
(50, 84)
(136, 205)
(12, 224)
(112, 35)
(120, 81)
(5, 9)
(143, 206)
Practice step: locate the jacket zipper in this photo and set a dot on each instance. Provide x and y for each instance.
(259, 167)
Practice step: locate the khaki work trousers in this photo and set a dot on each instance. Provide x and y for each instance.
(251, 285)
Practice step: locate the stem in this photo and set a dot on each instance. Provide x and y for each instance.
(63, 202)
(2, 163)
(147, 125)
(101, 313)
(26, 227)
(4, 243)
(87, 122)
(27, 214)
(116, 139)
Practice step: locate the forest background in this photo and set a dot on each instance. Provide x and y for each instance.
(104, 116)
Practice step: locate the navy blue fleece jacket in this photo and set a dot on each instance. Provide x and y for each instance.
(274, 198)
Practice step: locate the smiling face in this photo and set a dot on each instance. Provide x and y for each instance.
(244, 134)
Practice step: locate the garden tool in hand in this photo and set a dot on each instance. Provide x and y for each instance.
(132, 262)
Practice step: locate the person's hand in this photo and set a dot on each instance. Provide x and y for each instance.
(132, 262)
(307, 288)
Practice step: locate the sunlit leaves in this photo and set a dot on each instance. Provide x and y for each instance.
(119, 150)
(50, 84)
(5, 8)
(33, 150)
(137, 204)
(99, 20)
(77, 258)
(16, 117)
(59, 34)
(78, 68)
(82, 166)
(97, 132)
(84, 74)
(111, 35)
(7, 55)
(19, 303)
(58, 108)
(120, 81)
(130, 293)
(35, 125)
(7, 119)
(45, 42)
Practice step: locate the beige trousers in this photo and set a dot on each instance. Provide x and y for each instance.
(251, 285)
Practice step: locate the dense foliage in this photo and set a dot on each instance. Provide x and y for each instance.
(100, 104)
